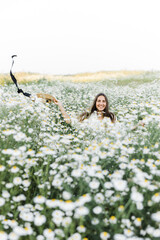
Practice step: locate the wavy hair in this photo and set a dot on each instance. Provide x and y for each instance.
(106, 112)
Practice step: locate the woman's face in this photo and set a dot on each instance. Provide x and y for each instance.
(101, 103)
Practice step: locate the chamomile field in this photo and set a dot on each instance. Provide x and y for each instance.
(62, 181)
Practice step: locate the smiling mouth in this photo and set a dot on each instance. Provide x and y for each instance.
(101, 106)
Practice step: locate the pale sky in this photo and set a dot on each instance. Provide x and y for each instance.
(75, 36)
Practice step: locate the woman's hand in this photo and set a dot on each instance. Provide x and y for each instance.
(139, 124)
(58, 103)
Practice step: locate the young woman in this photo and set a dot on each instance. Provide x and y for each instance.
(100, 107)
(99, 111)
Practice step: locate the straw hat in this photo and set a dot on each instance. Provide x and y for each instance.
(47, 97)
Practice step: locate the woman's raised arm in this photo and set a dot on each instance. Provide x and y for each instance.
(64, 114)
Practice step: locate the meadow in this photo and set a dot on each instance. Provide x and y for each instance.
(63, 181)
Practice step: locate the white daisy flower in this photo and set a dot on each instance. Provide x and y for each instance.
(75, 236)
(137, 196)
(39, 199)
(39, 220)
(2, 168)
(94, 184)
(128, 232)
(81, 211)
(2, 201)
(81, 229)
(17, 181)
(66, 195)
(97, 210)
(138, 222)
(15, 169)
(13, 236)
(26, 216)
(104, 235)
(94, 221)
(99, 198)
(5, 194)
(49, 234)
(3, 235)
(119, 236)
(119, 185)
(66, 221)
(40, 237)
(156, 216)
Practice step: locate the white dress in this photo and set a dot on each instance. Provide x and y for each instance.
(92, 122)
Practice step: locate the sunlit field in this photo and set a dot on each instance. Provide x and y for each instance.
(63, 181)
(24, 77)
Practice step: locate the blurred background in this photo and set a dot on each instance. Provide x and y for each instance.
(77, 36)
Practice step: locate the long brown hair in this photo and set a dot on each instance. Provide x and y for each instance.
(106, 112)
